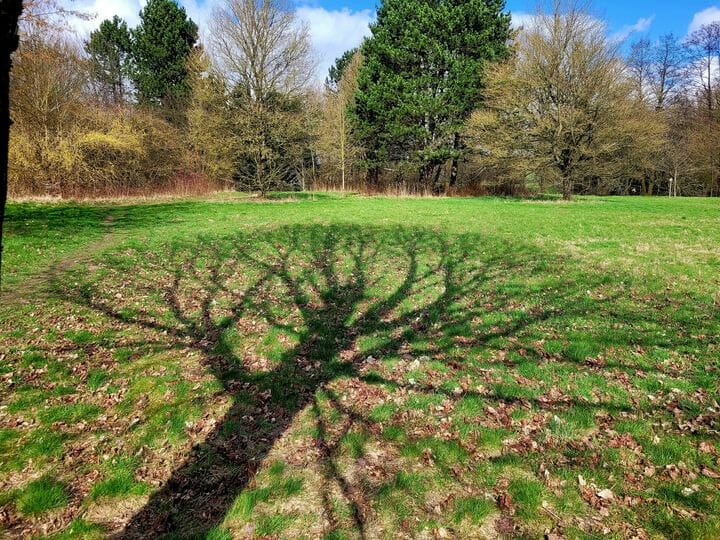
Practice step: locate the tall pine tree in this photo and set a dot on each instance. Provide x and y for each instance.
(421, 78)
(109, 49)
(161, 45)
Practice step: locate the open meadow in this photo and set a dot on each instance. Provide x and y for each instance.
(320, 366)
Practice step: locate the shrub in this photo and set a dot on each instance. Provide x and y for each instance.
(104, 152)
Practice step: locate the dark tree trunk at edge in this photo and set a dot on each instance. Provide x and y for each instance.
(9, 14)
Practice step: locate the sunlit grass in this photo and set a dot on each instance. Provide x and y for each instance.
(342, 365)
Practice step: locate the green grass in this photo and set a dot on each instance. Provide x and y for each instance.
(398, 366)
(119, 480)
(474, 508)
(69, 414)
(527, 495)
(41, 496)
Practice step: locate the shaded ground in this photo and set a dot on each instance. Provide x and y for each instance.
(336, 380)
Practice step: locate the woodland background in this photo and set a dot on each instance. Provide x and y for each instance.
(444, 97)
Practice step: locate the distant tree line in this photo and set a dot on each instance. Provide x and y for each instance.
(443, 97)
(568, 112)
(105, 117)
(554, 107)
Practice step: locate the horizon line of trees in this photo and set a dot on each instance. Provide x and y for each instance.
(443, 97)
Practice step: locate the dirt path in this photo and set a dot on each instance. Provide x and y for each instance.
(37, 285)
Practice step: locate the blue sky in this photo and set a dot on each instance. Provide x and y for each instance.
(338, 25)
(666, 15)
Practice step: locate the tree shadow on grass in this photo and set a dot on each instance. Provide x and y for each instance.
(342, 294)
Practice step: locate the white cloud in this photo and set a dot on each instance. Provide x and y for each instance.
(706, 16)
(126, 9)
(642, 25)
(334, 31)
(521, 19)
(129, 10)
(200, 12)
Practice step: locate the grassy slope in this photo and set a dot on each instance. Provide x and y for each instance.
(459, 366)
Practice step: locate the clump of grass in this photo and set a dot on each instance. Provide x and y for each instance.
(668, 450)
(382, 412)
(269, 525)
(493, 437)
(34, 359)
(39, 445)
(527, 495)
(572, 422)
(511, 390)
(394, 433)
(27, 399)
(96, 378)
(445, 454)
(474, 508)
(412, 484)
(470, 406)
(218, 533)
(123, 355)
(42, 495)
(292, 486)
(119, 481)
(579, 350)
(246, 502)
(80, 337)
(276, 469)
(69, 414)
(354, 442)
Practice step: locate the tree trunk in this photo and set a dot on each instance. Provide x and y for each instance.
(314, 174)
(438, 187)
(342, 150)
(454, 165)
(9, 14)
(371, 179)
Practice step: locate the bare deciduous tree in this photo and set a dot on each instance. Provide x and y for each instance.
(563, 109)
(264, 54)
(48, 15)
(640, 63)
(667, 73)
(47, 83)
(336, 137)
(704, 47)
(262, 47)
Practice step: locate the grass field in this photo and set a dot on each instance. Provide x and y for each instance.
(347, 367)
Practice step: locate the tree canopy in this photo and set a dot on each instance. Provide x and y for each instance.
(109, 49)
(161, 45)
(421, 78)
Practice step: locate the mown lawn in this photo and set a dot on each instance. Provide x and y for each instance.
(346, 367)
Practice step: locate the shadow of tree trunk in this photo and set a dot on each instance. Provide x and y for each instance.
(199, 493)
(339, 283)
